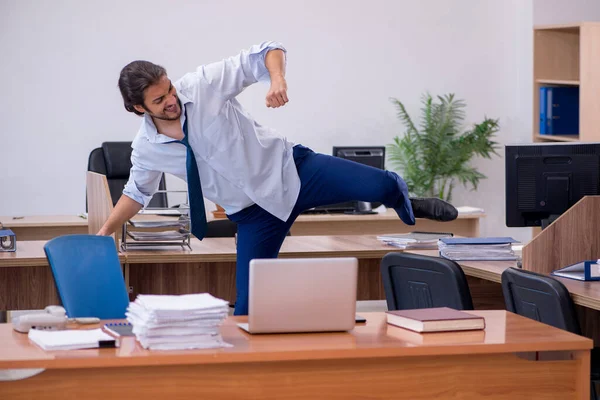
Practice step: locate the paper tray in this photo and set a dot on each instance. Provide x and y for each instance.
(159, 224)
(181, 234)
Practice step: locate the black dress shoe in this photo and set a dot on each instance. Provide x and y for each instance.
(433, 208)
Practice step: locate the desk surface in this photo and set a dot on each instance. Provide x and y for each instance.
(505, 333)
(33, 221)
(389, 214)
(223, 249)
(31, 253)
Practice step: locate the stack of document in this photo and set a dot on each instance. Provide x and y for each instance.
(484, 248)
(414, 240)
(467, 210)
(164, 322)
(71, 339)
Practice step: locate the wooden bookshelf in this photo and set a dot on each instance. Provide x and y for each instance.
(556, 138)
(558, 82)
(567, 55)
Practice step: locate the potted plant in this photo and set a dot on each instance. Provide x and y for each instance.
(434, 155)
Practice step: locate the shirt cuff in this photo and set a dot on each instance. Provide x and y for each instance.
(263, 49)
(134, 194)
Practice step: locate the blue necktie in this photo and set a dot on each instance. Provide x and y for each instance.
(197, 211)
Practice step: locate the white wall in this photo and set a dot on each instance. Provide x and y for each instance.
(565, 11)
(61, 60)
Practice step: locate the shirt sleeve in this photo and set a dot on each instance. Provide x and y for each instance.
(230, 76)
(142, 183)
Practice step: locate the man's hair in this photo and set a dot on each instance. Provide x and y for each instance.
(134, 79)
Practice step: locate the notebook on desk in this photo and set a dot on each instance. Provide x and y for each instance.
(440, 319)
(71, 339)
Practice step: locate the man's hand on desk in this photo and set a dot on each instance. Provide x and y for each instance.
(102, 232)
(125, 209)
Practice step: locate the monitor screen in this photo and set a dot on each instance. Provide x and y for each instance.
(373, 156)
(544, 180)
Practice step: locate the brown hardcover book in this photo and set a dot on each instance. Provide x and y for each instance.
(435, 320)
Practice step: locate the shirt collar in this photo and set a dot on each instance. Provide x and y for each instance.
(149, 130)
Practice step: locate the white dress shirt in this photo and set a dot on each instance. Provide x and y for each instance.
(239, 161)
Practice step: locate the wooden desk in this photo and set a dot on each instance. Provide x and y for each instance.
(376, 224)
(51, 226)
(45, 227)
(48, 227)
(210, 265)
(26, 281)
(375, 361)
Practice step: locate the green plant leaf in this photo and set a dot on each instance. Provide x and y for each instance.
(431, 159)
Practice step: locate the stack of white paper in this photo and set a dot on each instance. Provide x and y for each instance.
(69, 339)
(465, 210)
(480, 248)
(413, 240)
(191, 321)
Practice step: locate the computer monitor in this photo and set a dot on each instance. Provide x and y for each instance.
(544, 180)
(370, 155)
(373, 156)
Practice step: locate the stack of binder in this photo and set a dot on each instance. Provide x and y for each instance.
(559, 110)
(484, 248)
(165, 322)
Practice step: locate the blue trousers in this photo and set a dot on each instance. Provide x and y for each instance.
(324, 180)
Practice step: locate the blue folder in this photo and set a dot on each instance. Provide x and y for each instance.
(562, 110)
(581, 271)
(477, 240)
(543, 121)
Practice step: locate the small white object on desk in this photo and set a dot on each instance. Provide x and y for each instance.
(469, 210)
(71, 339)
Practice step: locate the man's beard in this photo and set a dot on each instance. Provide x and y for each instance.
(164, 117)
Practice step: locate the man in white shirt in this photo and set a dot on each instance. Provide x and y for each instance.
(195, 129)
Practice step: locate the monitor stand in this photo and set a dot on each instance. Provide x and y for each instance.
(549, 220)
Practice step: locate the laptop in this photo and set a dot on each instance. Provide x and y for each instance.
(302, 295)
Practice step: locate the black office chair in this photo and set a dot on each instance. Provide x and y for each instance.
(223, 228)
(545, 299)
(113, 159)
(415, 281)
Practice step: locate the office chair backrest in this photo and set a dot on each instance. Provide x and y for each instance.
(539, 297)
(221, 228)
(88, 276)
(415, 281)
(113, 159)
